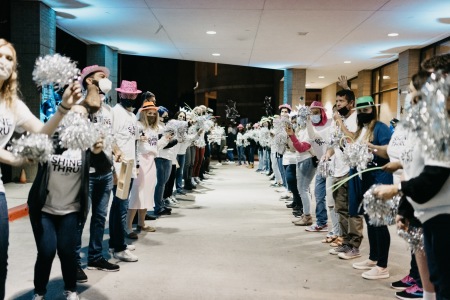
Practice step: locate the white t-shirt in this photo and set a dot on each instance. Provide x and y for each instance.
(104, 116)
(341, 168)
(126, 133)
(395, 149)
(165, 153)
(318, 141)
(150, 145)
(10, 119)
(302, 136)
(64, 183)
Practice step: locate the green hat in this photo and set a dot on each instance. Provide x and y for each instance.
(365, 101)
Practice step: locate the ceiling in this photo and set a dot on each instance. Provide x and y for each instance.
(262, 33)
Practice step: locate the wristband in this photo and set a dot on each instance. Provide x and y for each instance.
(61, 111)
(63, 107)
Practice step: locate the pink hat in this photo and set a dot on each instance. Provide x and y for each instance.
(128, 87)
(317, 104)
(92, 69)
(240, 126)
(324, 119)
(285, 106)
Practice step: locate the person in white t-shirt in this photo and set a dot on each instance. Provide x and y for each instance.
(125, 132)
(14, 114)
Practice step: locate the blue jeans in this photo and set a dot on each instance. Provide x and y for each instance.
(163, 169)
(230, 154)
(179, 174)
(291, 180)
(281, 168)
(251, 154)
(4, 243)
(437, 243)
(321, 207)
(305, 174)
(118, 221)
(267, 162)
(241, 154)
(100, 187)
(55, 233)
(260, 160)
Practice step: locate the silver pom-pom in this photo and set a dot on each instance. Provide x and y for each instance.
(35, 146)
(55, 70)
(336, 137)
(216, 135)
(77, 132)
(414, 237)
(325, 169)
(357, 155)
(302, 115)
(380, 212)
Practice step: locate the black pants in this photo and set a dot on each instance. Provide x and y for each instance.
(379, 242)
(168, 189)
(437, 245)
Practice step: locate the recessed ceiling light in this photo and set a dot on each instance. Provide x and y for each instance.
(211, 32)
(321, 77)
(393, 34)
(216, 54)
(347, 62)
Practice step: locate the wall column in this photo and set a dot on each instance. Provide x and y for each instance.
(294, 86)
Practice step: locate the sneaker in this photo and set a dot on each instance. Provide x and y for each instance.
(103, 265)
(285, 196)
(173, 199)
(317, 228)
(365, 265)
(164, 212)
(413, 292)
(172, 204)
(339, 250)
(38, 297)
(81, 276)
(71, 295)
(404, 283)
(181, 192)
(197, 180)
(218, 164)
(375, 273)
(305, 221)
(350, 254)
(131, 247)
(125, 255)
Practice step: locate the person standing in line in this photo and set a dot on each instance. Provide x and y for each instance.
(125, 133)
(94, 79)
(13, 114)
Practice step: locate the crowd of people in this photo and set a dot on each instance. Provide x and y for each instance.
(301, 149)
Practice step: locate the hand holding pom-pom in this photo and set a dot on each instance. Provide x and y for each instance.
(380, 212)
(55, 70)
(35, 146)
(77, 132)
(413, 236)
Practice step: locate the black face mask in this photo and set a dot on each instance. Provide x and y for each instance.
(165, 119)
(364, 118)
(343, 111)
(126, 103)
(151, 119)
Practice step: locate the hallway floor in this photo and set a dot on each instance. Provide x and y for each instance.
(236, 241)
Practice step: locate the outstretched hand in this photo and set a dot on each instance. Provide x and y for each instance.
(343, 82)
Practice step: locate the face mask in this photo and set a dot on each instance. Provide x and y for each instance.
(151, 119)
(364, 118)
(316, 118)
(105, 85)
(126, 103)
(165, 119)
(343, 111)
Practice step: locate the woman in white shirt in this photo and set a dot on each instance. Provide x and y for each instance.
(13, 114)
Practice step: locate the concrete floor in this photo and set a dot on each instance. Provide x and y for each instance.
(236, 241)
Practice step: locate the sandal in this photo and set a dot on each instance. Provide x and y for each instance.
(329, 239)
(337, 242)
(145, 228)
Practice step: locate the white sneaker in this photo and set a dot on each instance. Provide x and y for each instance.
(125, 255)
(71, 295)
(131, 247)
(218, 164)
(38, 297)
(193, 182)
(197, 180)
(365, 265)
(173, 199)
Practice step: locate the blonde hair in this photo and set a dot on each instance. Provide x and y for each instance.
(10, 87)
(368, 136)
(143, 119)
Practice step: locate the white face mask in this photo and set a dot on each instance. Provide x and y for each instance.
(316, 118)
(105, 85)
